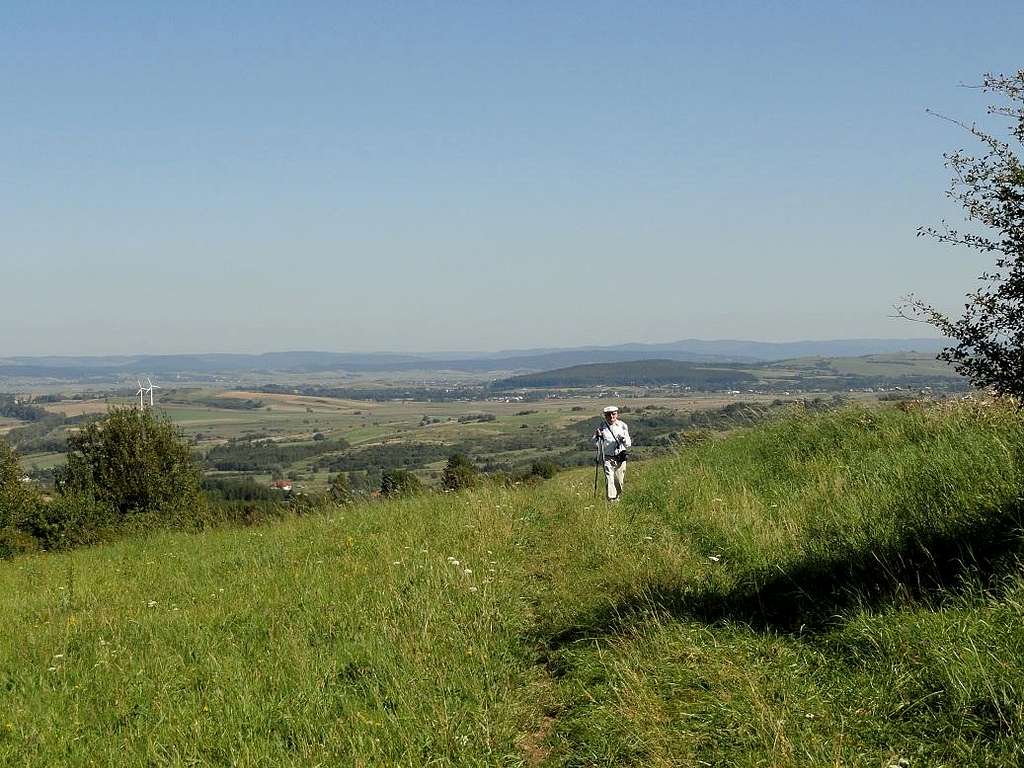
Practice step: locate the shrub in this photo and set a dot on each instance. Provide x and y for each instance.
(458, 473)
(70, 520)
(136, 464)
(399, 482)
(16, 503)
(544, 468)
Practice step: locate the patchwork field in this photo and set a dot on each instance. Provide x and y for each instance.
(506, 433)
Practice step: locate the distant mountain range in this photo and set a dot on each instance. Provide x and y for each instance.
(526, 360)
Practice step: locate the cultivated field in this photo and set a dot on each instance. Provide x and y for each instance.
(211, 417)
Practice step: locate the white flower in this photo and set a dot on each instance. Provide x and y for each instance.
(472, 589)
(151, 604)
(715, 558)
(397, 562)
(467, 571)
(58, 656)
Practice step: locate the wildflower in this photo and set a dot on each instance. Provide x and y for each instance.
(397, 562)
(467, 571)
(152, 603)
(472, 589)
(809, 715)
(52, 669)
(714, 558)
(59, 656)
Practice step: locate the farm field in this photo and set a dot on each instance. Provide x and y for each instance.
(7, 424)
(505, 433)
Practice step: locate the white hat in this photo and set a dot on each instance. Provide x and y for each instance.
(612, 409)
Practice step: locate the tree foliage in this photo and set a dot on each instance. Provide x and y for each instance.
(989, 336)
(134, 463)
(13, 495)
(399, 482)
(458, 473)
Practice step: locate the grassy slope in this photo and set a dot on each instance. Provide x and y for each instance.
(792, 596)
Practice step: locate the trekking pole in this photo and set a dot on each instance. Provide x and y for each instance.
(598, 461)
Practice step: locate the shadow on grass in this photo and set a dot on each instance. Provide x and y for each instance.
(811, 595)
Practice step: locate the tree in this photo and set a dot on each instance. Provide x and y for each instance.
(458, 473)
(134, 463)
(17, 505)
(14, 497)
(989, 336)
(399, 482)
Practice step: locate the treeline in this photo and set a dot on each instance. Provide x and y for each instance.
(426, 394)
(222, 403)
(44, 432)
(635, 373)
(13, 409)
(266, 455)
(387, 456)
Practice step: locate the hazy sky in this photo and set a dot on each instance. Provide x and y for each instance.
(195, 176)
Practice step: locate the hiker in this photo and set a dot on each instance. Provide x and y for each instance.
(612, 440)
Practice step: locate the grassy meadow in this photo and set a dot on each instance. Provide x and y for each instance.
(835, 589)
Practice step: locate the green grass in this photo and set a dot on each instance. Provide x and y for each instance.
(832, 590)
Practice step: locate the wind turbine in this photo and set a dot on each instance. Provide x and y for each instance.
(139, 393)
(152, 386)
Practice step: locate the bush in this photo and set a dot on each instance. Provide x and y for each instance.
(70, 520)
(134, 463)
(399, 482)
(544, 468)
(16, 499)
(458, 473)
(14, 542)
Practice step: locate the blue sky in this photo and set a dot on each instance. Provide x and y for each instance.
(419, 176)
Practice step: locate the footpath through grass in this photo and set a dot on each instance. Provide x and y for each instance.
(841, 589)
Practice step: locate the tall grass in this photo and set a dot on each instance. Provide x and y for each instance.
(858, 601)
(837, 589)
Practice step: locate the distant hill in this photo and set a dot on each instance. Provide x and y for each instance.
(688, 350)
(632, 373)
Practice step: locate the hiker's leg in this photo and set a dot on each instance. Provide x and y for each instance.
(609, 475)
(620, 476)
